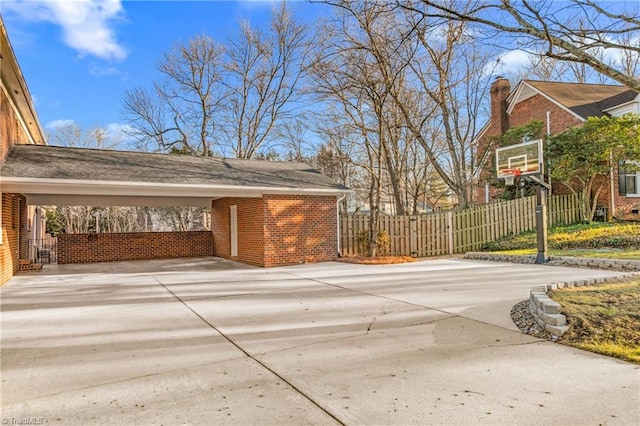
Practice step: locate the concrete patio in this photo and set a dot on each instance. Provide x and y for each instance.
(212, 342)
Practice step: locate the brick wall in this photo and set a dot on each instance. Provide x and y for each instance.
(11, 132)
(300, 229)
(85, 248)
(12, 206)
(277, 229)
(535, 108)
(250, 216)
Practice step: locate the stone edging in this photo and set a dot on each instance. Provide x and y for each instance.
(612, 264)
(545, 310)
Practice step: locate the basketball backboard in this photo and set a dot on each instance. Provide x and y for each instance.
(524, 158)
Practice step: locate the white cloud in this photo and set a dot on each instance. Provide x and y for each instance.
(99, 71)
(57, 124)
(119, 135)
(119, 130)
(86, 24)
(513, 59)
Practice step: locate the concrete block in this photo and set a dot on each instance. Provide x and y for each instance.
(551, 306)
(556, 330)
(539, 289)
(541, 299)
(552, 287)
(554, 319)
(560, 285)
(568, 285)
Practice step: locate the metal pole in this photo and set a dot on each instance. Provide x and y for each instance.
(541, 219)
(541, 224)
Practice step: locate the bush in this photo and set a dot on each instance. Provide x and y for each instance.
(383, 240)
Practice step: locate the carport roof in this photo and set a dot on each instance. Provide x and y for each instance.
(31, 168)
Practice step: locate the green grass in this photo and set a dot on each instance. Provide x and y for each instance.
(604, 319)
(619, 254)
(609, 240)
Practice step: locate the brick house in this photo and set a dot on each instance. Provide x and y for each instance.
(264, 213)
(18, 124)
(559, 106)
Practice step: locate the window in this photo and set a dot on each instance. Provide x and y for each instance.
(629, 179)
(633, 185)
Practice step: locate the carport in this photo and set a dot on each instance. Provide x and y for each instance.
(264, 213)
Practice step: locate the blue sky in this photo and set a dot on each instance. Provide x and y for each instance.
(79, 56)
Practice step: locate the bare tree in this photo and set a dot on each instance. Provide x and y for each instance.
(74, 135)
(178, 115)
(263, 73)
(574, 31)
(338, 156)
(358, 73)
(450, 73)
(293, 136)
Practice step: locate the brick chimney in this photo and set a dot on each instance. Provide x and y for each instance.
(499, 91)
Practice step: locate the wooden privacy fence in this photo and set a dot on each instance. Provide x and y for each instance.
(459, 231)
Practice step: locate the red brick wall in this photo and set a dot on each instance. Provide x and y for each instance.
(12, 204)
(11, 132)
(250, 215)
(277, 229)
(535, 108)
(300, 229)
(85, 248)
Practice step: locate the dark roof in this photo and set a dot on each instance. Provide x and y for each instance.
(586, 100)
(53, 162)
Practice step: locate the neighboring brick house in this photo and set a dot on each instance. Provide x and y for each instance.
(18, 124)
(559, 106)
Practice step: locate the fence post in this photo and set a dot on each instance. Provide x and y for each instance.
(450, 231)
(413, 235)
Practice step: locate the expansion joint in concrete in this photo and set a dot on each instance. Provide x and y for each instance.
(248, 355)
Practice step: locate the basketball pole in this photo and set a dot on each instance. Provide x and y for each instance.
(541, 218)
(541, 224)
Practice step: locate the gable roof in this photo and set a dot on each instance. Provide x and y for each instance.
(62, 170)
(581, 99)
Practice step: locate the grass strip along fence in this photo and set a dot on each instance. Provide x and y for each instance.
(457, 231)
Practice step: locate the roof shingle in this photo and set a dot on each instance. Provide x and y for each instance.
(53, 162)
(586, 100)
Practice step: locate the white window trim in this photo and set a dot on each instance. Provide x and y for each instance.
(636, 194)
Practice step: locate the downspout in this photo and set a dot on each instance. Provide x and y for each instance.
(339, 234)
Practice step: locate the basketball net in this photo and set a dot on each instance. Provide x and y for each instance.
(510, 176)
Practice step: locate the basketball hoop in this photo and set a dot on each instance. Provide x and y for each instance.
(510, 176)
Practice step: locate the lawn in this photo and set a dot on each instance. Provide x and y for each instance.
(601, 240)
(604, 319)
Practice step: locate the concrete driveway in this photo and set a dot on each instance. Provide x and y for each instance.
(215, 342)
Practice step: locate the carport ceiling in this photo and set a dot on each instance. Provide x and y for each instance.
(51, 175)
